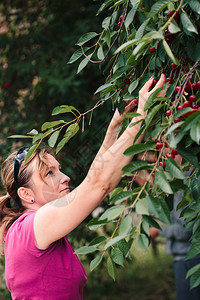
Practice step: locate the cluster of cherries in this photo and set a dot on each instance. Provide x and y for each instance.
(169, 36)
(188, 103)
(172, 154)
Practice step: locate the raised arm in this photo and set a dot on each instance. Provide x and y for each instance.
(57, 218)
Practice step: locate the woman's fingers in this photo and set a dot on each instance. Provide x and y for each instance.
(159, 84)
(146, 87)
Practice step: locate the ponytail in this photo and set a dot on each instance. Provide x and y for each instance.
(8, 214)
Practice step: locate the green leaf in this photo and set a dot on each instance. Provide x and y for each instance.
(169, 53)
(114, 241)
(117, 256)
(141, 29)
(77, 54)
(33, 132)
(151, 99)
(131, 15)
(112, 213)
(136, 166)
(162, 182)
(119, 3)
(70, 132)
(100, 53)
(59, 110)
(193, 270)
(17, 136)
(138, 148)
(151, 221)
(122, 196)
(86, 37)
(97, 241)
(48, 125)
(31, 151)
(86, 250)
(195, 132)
(173, 127)
(84, 63)
(95, 262)
(195, 188)
(174, 169)
(195, 279)
(188, 155)
(173, 27)
(143, 241)
(131, 115)
(133, 86)
(104, 5)
(125, 246)
(106, 23)
(103, 87)
(195, 6)
(53, 138)
(187, 23)
(115, 192)
(132, 43)
(158, 208)
(193, 251)
(157, 7)
(142, 207)
(111, 268)
(95, 223)
(126, 225)
(152, 114)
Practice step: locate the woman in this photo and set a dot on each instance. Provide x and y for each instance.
(39, 211)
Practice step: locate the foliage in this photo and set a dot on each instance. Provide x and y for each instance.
(140, 39)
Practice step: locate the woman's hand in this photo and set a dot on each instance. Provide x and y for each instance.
(144, 93)
(117, 120)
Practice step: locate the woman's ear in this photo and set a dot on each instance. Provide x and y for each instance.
(25, 194)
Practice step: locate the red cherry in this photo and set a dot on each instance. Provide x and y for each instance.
(177, 120)
(159, 145)
(170, 80)
(194, 86)
(174, 152)
(178, 88)
(170, 14)
(180, 107)
(196, 106)
(153, 174)
(173, 65)
(167, 31)
(187, 104)
(188, 86)
(168, 113)
(121, 17)
(119, 24)
(192, 98)
(162, 164)
(155, 81)
(152, 49)
(198, 84)
(127, 81)
(7, 85)
(136, 101)
(177, 16)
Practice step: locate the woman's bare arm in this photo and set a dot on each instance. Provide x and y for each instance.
(57, 218)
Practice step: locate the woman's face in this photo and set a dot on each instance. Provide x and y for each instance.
(54, 185)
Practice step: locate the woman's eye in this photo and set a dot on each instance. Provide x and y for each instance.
(49, 173)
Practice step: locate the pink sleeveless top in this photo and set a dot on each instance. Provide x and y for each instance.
(33, 274)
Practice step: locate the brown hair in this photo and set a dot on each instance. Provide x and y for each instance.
(11, 207)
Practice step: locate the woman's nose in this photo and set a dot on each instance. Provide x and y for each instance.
(65, 178)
